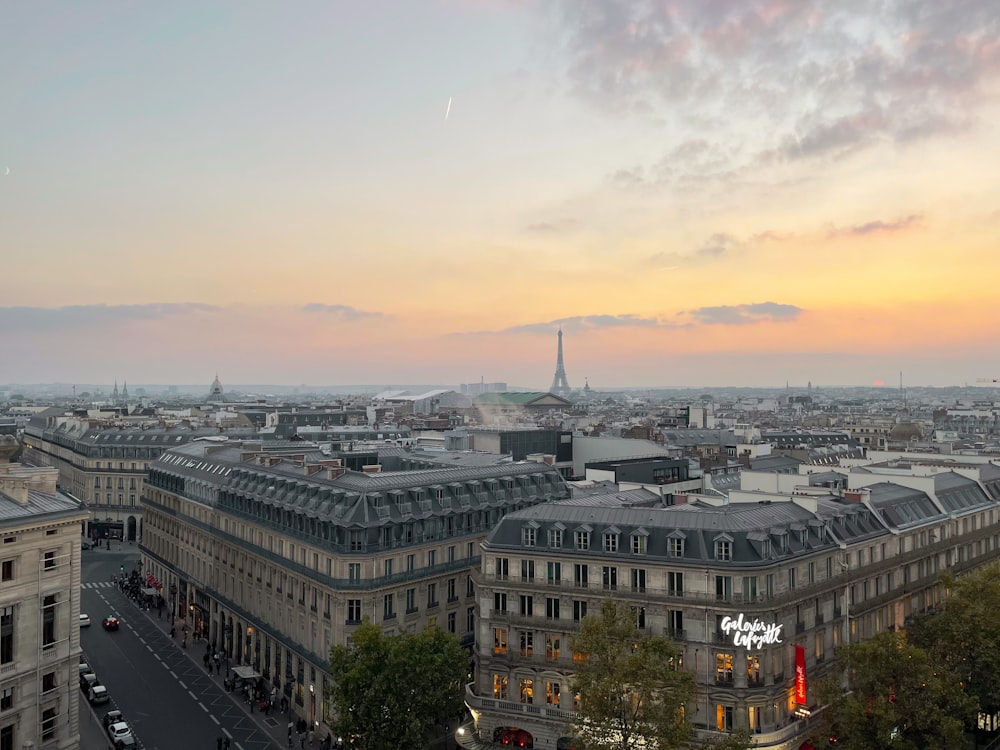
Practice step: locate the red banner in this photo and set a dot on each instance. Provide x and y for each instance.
(800, 675)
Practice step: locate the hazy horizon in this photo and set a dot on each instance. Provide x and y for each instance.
(697, 192)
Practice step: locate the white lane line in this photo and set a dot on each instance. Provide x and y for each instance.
(217, 722)
(157, 656)
(149, 648)
(193, 696)
(203, 707)
(226, 732)
(179, 682)
(172, 673)
(239, 746)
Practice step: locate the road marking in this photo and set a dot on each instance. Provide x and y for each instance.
(203, 707)
(181, 683)
(172, 673)
(217, 722)
(148, 648)
(226, 732)
(193, 696)
(239, 746)
(157, 657)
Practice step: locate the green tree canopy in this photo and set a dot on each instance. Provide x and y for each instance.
(389, 692)
(964, 634)
(899, 698)
(632, 691)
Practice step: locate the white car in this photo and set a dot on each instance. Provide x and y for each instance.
(119, 731)
(84, 621)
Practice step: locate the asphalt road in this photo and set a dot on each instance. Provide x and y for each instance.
(169, 700)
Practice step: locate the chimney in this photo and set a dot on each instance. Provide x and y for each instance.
(857, 496)
(335, 472)
(372, 468)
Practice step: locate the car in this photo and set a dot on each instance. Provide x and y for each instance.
(98, 694)
(126, 742)
(111, 623)
(118, 731)
(85, 544)
(88, 681)
(85, 668)
(112, 717)
(84, 620)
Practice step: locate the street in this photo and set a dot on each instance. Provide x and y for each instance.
(163, 691)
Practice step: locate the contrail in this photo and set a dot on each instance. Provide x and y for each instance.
(447, 111)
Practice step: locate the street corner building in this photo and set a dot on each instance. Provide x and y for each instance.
(757, 590)
(39, 609)
(276, 553)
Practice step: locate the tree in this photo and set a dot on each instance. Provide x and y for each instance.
(631, 687)
(899, 697)
(963, 634)
(740, 739)
(390, 692)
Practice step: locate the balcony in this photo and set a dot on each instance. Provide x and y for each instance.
(512, 708)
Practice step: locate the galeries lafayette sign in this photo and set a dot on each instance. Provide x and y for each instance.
(752, 634)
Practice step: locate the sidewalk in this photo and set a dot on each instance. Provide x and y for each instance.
(274, 726)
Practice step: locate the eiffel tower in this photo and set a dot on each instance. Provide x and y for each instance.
(559, 384)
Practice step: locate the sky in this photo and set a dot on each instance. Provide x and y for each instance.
(699, 192)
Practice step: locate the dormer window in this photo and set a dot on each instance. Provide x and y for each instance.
(639, 543)
(675, 543)
(528, 536)
(556, 538)
(611, 541)
(724, 548)
(583, 540)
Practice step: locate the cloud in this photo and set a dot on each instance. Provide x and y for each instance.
(717, 247)
(901, 224)
(742, 84)
(551, 227)
(744, 314)
(40, 319)
(342, 312)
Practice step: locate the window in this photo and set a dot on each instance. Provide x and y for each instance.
(50, 560)
(556, 538)
(723, 588)
(6, 635)
(675, 623)
(638, 544)
(527, 691)
(675, 584)
(452, 596)
(583, 540)
(553, 646)
(527, 603)
(388, 567)
(500, 602)
(49, 621)
(640, 617)
(470, 619)
(411, 600)
(553, 573)
(432, 595)
(724, 668)
(353, 572)
(552, 693)
(610, 578)
(411, 563)
(812, 572)
(503, 568)
(528, 536)
(48, 682)
(724, 718)
(431, 558)
(579, 610)
(527, 643)
(7, 570)
(451, 554)
(49, 717)
(500, 687)
(792, 577)
(388, 607)
(639, 579)
(580, 576)
(500, 641)
(723, 550)
(356, 542)
(769, 584)
(753, 670)
(749, 588)
(470, 587)
(527, 570)
(552, 607)
(610, 542)
(451, 622)
(7, 700)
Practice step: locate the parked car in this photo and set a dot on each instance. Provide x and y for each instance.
(88, 680)
(111, 623)
(126, 742)
(98, 694)
(119, 731)
(85, 668)
(84, 620)
(85, 544)
(112, 717)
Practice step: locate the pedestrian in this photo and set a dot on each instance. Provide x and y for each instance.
(218, 743)
(226, 744)
(173, 632)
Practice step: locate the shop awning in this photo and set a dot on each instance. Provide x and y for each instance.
(245, 673)
(150, 591)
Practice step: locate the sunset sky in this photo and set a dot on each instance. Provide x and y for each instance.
(701, 192)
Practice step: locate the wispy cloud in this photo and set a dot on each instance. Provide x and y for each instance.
(717, 247)
(779, 81)
(721, 315)
(743, 314)
(551, 227)
(901, 224)
(341, 312)
(41, 319)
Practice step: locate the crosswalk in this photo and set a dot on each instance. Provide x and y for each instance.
(97, 585)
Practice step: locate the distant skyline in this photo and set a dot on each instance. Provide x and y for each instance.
(701, 193)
